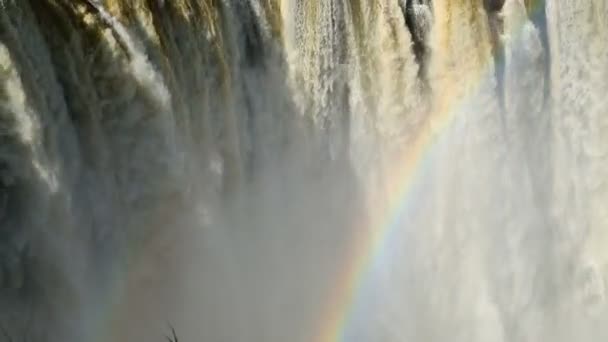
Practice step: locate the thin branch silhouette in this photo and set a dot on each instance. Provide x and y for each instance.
(173, 337)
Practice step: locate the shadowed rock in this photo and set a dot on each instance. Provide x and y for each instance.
(419, 21)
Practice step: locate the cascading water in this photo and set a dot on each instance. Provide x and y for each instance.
(299, 170)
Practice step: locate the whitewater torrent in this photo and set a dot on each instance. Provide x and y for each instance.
(299, 170)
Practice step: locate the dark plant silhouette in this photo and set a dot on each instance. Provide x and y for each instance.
(173, 337)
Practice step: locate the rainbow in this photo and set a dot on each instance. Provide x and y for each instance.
(405, 174)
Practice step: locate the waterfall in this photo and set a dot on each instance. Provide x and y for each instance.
(303, 170)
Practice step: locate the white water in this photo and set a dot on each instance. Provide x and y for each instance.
(209, 163)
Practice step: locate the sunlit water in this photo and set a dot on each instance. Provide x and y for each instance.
(298, 170)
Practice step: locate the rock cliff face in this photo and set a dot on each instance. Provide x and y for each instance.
(211, 163)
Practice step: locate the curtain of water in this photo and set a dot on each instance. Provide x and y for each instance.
(210, 163)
